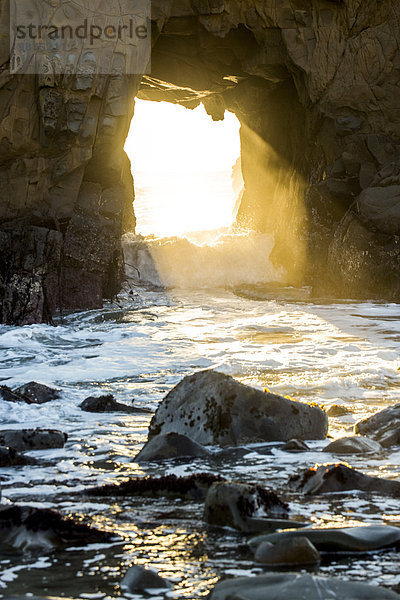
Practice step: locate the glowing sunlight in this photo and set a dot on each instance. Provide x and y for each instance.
(182, 162)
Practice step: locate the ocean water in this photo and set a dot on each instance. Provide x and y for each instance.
(225, 307)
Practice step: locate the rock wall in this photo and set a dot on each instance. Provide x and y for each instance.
(315, 84)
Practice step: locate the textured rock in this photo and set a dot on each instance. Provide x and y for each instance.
(315, 88)
(32, 439)
(108, 403)
(138, 578)
(241, 505)
(340, 478)
(27, 527)
(212, 408)
(295, 551)
(345, 539)
(37, 393)
(384, 426)
(170, 446)
(287, 586)
(353, 445)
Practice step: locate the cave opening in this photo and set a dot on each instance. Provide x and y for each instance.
(186, 169)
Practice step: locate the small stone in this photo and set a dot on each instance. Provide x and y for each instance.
(295, 446)
(337, 410)
(140, 579)
(294, 551)
(107, 403)
(353, 445)
(37, 393)
(170, 446)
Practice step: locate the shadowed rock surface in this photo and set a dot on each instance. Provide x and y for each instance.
(28, 527)
(242, 506)
(353, 445)
(138, 578)
(32, 439)
(347, 539)
(295, 446)
(10, 458)
(288, 552)
(100, 404)
(192, 487)
(291, 586)
(384, 426)
(320, 131)
(170, 446)
(340, 478)
(213, 408)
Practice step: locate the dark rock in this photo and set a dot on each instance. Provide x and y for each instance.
(140, 579)
(380, 207)
(293, 586)
(28, 527)
(344, 539)
(10, 458)
(169, 446)
(100, 404)
(213, 408)
(191, 487)
(296, 551)
(32, 439)
(295, 446)
(237, 504)
(37, 393)
(353, 445)
(337, 410)
(325, 479)
(384, 426)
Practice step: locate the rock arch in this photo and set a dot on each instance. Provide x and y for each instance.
(315, 84)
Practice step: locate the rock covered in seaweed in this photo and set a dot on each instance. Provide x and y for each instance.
(213, 408)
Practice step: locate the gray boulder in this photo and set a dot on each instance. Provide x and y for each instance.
(293, 586)
(341, 478)
(384, 426)
(37, 393)
(295, 446)
(236, 505)
(213, 408)
(295, 551)
(169, 446)
(345, 539)
(32, 439)
(140, 579)
(353, 445)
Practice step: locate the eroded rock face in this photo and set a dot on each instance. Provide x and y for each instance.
(320, 131)
(213, 408)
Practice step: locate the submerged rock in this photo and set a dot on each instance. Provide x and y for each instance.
(325, 479)
(295, 446)
(345, 539)
(10, 458)
(241, 505)
(37, 393)
(295, 551)
(100, 404)
(32, 439)
(384, 426)
(191, 487)
(353, 445)
(213, 408)
(171, 445)
(28, 527)
(140, 579)
(293, 586)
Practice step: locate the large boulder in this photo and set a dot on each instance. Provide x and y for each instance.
(213, 408)
(32, 439)
(345, 539)
(242, 506)
(325, 479)
(169, 446)
(355, 444)
(293, 586)
(384, 426)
